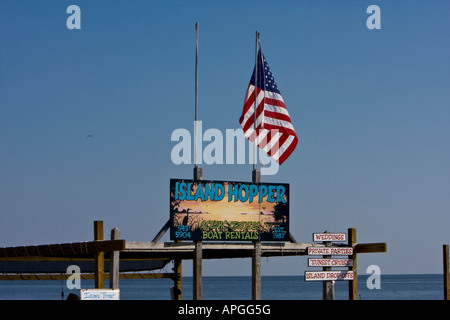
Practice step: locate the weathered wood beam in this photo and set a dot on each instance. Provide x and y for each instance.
(162, 232)
(63, 249)
(370, 247)
(85, 276)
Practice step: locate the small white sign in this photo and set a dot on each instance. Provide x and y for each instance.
(329, 237)
(328, 251)
(330, 262)
(99, 294)
(328, 275)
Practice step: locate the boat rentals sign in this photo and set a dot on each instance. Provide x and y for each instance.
(228, 211)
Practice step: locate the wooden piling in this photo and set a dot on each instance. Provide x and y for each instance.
(446, 273)
(353, 284)
(99, 259)
(256, 254)
(114, 271)
(177, 281)
(197, 286)
(256, 271)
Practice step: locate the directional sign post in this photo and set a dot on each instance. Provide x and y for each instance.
(327, 262)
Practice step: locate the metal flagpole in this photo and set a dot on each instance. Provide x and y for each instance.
(198, 172)
(198, 175)
(256, 175)
(256, 178)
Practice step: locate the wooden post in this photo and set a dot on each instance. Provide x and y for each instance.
(99, 261)
(198, 256)
(114, 262)
(256, 255)
(327, 286)
(197, 287)
(446, 274)
(256, 271)
(353, 284)
(177, 268)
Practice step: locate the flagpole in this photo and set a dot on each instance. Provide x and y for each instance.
(256, 175)
(256, 178)
(198, 172)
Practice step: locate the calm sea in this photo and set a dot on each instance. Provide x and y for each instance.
(393, 287)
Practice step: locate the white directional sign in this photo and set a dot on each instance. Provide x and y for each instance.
(328, 275)
(100, 294)
(330, 262)
(329, 237)
(328, 251)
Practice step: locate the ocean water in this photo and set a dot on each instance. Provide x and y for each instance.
(393, 287)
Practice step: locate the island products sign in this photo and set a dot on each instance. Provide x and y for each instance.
(228, 211)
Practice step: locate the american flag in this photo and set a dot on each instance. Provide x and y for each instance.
(275, 133)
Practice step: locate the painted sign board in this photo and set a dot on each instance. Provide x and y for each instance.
(329, 237)
(328, 275)
(328, 251)
(330, 262)
(99, 294)
(228, 211)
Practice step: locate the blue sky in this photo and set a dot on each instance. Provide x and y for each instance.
(371, 108)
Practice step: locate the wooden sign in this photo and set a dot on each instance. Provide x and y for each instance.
(330, 262)
(99, 294)
(328, 251)
(317, 237)
(328, 275)
(228, 211)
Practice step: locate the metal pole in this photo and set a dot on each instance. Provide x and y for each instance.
(196, 68)
(256, 96)
(198, 175)
(256, 178)
(198, 172)
(196, 93)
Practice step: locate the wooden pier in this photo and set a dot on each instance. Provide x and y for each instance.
(120, 259)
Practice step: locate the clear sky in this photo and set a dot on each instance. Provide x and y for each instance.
(371, 109)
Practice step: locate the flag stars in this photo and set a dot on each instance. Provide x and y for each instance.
(265, 77)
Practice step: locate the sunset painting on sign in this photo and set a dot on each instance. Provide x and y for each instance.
(218, 207)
